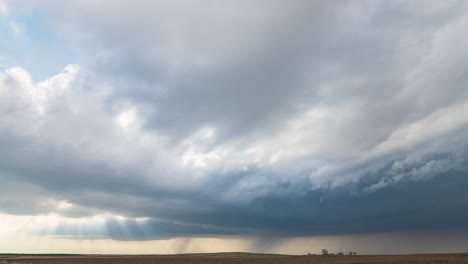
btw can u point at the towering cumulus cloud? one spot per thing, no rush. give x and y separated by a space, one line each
234 118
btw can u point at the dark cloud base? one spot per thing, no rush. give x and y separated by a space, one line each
435 205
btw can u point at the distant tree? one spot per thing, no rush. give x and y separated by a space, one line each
324 251
340 253
350 253
354 253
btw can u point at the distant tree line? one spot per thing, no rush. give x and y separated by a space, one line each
326 253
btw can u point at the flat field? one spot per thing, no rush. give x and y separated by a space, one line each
232 258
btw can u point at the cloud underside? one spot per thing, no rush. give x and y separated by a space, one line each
246 118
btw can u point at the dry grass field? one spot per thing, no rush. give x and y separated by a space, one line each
235 259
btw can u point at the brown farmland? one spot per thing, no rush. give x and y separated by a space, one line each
193 259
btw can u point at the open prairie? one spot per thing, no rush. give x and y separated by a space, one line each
233 259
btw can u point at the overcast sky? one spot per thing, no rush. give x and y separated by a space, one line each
158 125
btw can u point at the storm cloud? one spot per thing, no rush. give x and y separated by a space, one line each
250 118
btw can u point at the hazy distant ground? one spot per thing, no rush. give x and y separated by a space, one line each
230 258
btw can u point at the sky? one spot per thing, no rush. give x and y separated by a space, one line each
234 125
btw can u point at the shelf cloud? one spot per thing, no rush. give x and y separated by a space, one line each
169 119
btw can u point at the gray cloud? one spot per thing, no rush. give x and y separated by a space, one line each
257 117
